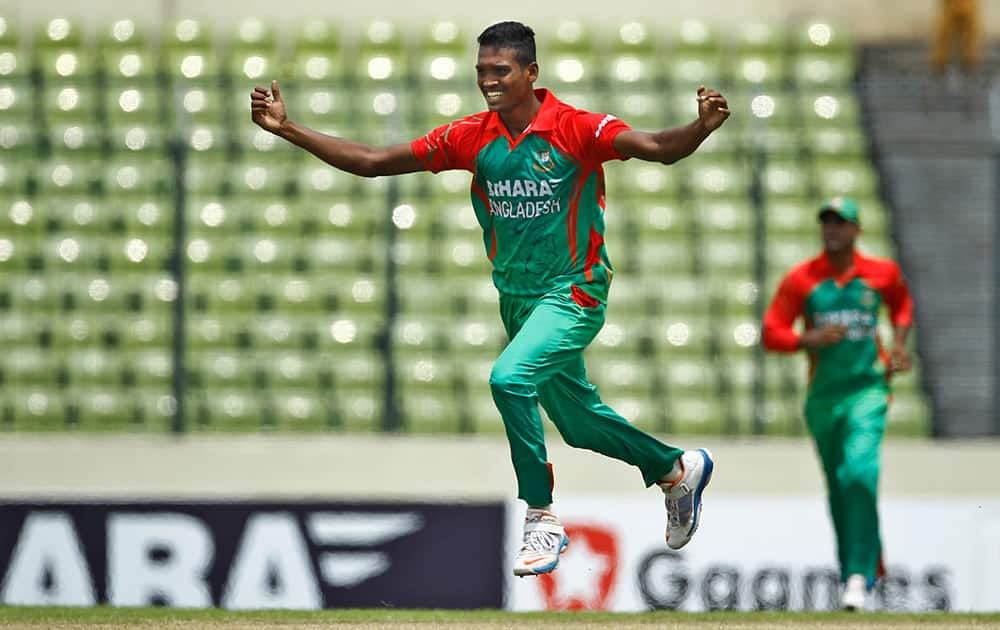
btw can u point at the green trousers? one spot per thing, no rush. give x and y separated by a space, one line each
848 433
543 364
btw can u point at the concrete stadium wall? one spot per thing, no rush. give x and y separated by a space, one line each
445 468
908 19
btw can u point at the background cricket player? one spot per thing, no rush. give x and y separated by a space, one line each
839 294
538 193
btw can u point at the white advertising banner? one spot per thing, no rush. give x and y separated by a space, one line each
763 553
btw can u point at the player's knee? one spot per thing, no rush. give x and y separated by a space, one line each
504 380
859 478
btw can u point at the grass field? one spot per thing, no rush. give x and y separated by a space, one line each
91 618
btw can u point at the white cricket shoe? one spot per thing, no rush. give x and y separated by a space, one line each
683 497
855 591
544 540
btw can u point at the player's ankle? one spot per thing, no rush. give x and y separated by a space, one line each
673 476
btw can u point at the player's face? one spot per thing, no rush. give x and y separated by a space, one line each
838 233
504 82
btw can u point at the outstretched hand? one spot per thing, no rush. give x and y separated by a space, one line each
267 109
713 110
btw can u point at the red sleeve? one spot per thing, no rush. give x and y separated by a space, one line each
785 308
448 147
594 135
897 298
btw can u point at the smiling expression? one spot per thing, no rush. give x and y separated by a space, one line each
504 82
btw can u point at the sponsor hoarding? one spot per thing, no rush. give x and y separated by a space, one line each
763 553
252 555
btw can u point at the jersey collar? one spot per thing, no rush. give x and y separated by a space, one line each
544 120
828 270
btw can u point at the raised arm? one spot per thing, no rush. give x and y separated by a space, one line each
267 109
676 143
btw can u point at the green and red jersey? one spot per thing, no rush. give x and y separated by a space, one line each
823 296
539 197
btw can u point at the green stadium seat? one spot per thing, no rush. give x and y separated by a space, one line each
65 175
20 218
641 109
652 255
696 416
93 366
222 369
429 413
830 109
86 139
123 33
220 329
128 65
291 369
151 367
724 255
359 409
696 36
154 408
31 293
38 409
786 178
473 336
193 66
133 103
252 34
30 365
75 102
302 410
688 69
248 68
320 66
426 373
10 30
341 333
625 375
58 32
143 140
818 70
856 178
836 142
726 217
444 58
146 330
718 179
122 176
19 328
482 412
216 292
259 177
15 102
232 410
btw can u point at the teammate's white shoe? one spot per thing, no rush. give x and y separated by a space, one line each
544 540
855 591
683 496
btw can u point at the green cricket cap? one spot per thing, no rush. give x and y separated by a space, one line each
844 206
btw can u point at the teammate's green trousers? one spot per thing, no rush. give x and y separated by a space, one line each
543 363
848 433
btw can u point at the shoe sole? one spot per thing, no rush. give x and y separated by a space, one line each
705 478
547 568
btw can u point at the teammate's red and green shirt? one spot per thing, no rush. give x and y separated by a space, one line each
823 296
539 197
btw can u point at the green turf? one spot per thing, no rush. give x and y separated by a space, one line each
66 618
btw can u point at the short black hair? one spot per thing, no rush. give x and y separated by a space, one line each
514 35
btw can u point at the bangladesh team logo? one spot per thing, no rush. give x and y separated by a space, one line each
543 161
